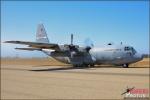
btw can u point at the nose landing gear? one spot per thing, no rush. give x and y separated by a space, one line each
125 65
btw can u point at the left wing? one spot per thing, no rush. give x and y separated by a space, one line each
30 49
37 45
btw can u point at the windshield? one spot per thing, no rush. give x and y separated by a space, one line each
127 48
130 49
133 50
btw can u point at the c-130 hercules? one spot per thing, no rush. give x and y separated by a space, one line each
82 56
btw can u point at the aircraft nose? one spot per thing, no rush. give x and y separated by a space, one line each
138 56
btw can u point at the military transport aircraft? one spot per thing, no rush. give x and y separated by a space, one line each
80 56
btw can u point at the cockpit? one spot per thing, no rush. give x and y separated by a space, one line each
127 48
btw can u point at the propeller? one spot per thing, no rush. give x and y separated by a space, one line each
71 46
71 39
73 49
88 44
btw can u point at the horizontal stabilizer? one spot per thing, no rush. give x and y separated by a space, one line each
30 49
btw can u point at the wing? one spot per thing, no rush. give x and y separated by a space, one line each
37 45
30 49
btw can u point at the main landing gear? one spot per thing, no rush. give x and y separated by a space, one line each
84 65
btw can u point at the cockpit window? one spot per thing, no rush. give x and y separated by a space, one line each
130 49
133 50
127 48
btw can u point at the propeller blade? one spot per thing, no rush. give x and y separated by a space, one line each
88 43
71 39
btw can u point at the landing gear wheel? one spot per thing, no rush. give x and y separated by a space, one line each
75 66
84 65
91 65
125 65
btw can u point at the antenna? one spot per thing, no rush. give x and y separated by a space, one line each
71 39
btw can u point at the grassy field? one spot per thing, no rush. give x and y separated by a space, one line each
53 62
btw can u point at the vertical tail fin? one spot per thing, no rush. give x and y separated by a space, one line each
41 35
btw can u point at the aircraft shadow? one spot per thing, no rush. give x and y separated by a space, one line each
79 72
50 65
69 67
57 69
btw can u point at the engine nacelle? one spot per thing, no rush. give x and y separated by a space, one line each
73 53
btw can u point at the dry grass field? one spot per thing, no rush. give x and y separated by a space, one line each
143 63
38 78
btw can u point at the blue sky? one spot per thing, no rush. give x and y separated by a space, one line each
102 22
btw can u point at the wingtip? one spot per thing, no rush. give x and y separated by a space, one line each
5 42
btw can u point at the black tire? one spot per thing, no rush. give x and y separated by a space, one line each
84 65
125 65
91 65
75 66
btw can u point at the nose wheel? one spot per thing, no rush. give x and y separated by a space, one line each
125 65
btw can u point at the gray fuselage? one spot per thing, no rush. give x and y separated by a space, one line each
110 54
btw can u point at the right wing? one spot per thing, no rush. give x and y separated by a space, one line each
37 45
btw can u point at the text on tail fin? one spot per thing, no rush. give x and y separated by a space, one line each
41 35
